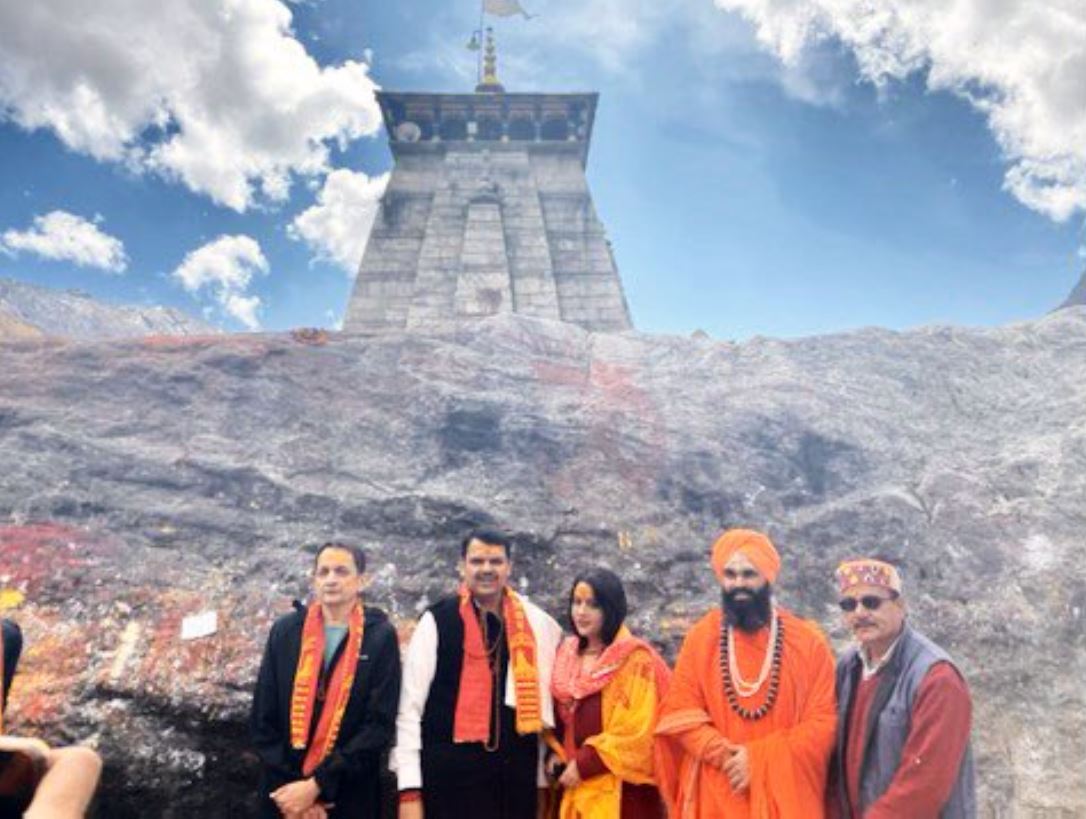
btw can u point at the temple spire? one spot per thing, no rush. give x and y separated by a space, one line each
489 82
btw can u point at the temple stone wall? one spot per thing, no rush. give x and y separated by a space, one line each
468 229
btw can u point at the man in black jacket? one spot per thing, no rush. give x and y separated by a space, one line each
324 710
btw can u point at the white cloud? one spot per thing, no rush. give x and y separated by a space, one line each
614 34
218 94
243 308
612 29
63 236
1020 62
224 268
338 226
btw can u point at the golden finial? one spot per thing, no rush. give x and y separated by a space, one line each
490 82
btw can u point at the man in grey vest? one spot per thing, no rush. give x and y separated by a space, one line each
904 711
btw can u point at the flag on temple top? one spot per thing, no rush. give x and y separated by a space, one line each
504 8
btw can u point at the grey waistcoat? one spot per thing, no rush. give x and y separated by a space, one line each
888 725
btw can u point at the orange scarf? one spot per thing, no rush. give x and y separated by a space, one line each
475 698
303 697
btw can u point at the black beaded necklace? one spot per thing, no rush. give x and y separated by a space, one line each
774 675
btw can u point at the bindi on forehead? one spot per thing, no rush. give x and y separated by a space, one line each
582 591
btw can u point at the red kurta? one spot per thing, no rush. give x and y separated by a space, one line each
940 721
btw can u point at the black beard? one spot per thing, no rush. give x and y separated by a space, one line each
747 614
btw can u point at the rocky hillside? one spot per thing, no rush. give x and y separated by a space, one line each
76 315
14 329
144 482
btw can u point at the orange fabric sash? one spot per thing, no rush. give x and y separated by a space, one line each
471 722
303 697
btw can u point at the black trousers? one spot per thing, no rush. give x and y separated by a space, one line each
465 781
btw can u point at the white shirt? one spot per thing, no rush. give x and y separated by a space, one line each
873 668
419 668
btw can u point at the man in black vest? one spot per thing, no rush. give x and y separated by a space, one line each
324 709
904 711
476 694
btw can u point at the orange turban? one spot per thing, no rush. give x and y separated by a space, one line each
756 546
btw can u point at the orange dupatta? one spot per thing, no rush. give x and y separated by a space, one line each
471 722
631 678
307 678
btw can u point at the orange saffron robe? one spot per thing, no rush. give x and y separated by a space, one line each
789 747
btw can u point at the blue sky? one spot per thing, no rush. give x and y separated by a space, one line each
763 168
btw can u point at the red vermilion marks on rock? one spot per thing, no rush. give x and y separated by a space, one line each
166 655
55 658
178 342
605 385
218 342
560 374
168 665
615 402
37 555
622 403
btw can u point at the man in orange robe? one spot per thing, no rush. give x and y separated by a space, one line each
747 727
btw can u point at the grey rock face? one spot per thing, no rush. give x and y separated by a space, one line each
144 482
75 315
1076 296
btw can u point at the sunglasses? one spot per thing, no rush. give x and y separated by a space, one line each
871 602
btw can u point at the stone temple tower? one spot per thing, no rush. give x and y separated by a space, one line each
487 211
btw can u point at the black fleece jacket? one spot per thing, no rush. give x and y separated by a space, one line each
349 776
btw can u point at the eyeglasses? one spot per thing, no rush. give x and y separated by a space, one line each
871 602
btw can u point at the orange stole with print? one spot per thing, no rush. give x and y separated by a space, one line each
474 700
303 697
